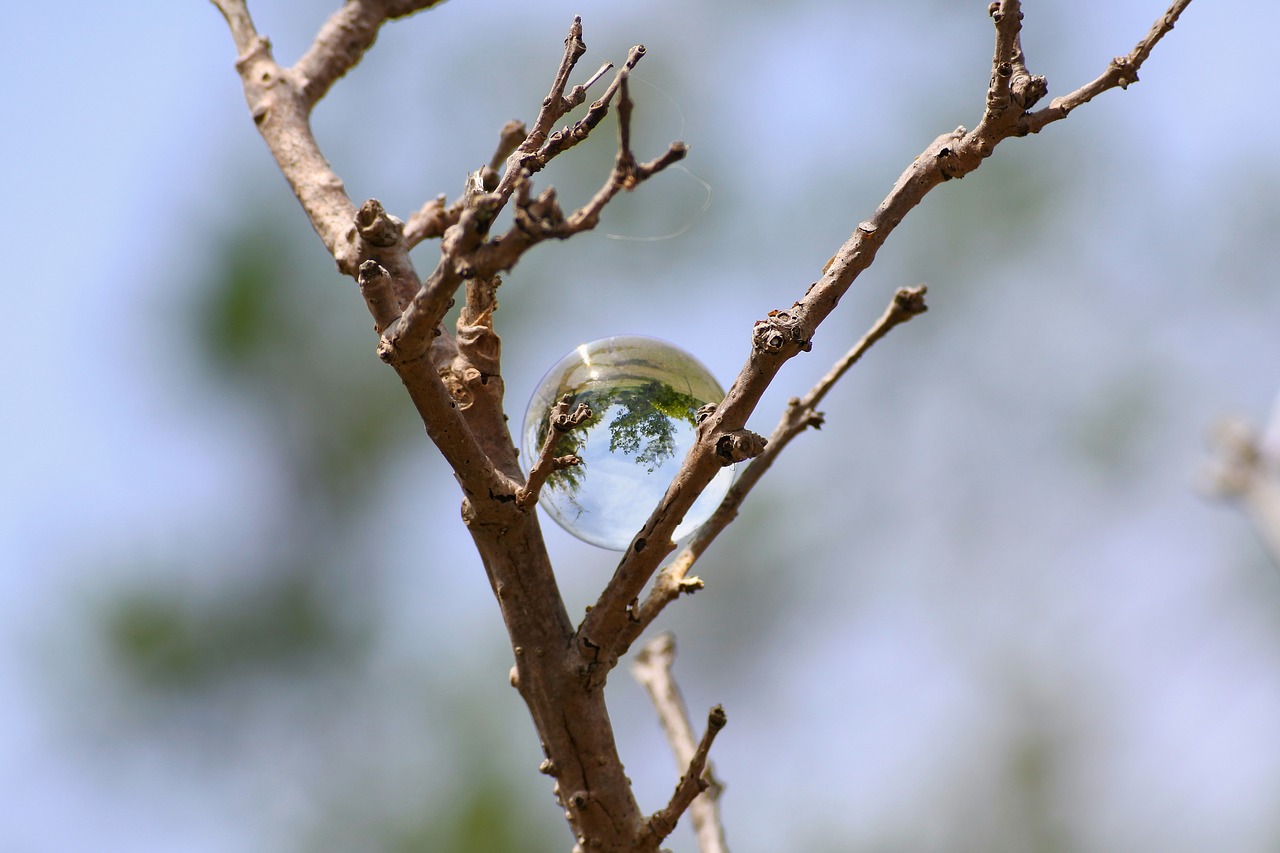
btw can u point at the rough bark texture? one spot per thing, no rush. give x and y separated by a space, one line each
455 381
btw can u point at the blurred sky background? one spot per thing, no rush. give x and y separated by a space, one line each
986 608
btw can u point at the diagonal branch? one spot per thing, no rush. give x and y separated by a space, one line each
434 217
652 668
343 40
784 334
1122 71
283 117
801 413
691 784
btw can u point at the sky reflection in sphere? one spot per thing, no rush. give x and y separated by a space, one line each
643 394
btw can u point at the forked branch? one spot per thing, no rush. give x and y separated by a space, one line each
801 414
559 671
603 634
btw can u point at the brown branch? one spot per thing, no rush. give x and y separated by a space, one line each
343 40
801 414
539 219
601 636
652 669
283 117
376 288
465 252
662 822
433 218
379 236
1122 71
547 463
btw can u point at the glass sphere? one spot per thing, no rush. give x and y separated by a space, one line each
643 394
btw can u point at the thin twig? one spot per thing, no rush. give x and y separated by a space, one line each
1122 71
541 218
434 217
652 669
465 250
800 414
691 784
554 105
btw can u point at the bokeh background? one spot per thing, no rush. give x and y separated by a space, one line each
988 607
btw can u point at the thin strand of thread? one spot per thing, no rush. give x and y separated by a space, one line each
706 185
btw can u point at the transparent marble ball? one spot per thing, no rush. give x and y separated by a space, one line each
643 394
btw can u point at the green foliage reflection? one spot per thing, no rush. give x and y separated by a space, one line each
642 420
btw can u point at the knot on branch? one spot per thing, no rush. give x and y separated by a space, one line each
704 412
1027 89
376 227
539 217
1125 73
781 331
738 446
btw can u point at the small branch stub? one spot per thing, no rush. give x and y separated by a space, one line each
739 446
780 331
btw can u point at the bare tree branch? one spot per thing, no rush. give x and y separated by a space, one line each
456 386
465 251
1122 71
652 668
801 413
691 784
602 634
343 40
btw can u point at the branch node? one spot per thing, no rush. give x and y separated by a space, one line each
782 330
377 227
739 446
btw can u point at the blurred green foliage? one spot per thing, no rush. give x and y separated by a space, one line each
281 336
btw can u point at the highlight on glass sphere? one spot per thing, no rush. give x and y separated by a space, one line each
643 394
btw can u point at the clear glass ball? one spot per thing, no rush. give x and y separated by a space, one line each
643 394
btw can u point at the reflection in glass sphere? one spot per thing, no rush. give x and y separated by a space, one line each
643 394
